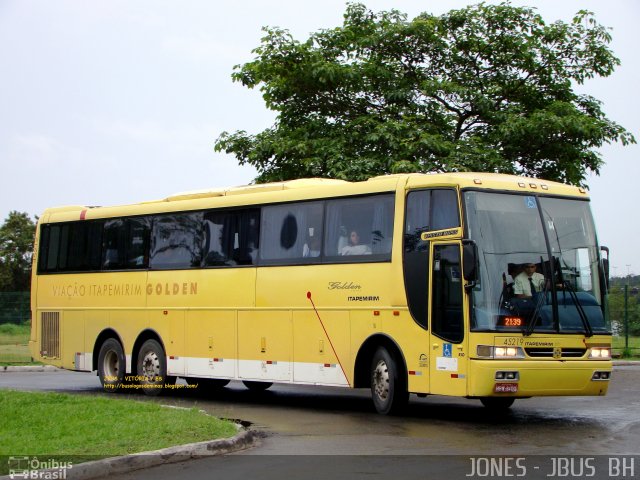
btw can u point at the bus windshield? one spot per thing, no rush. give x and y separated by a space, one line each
538 264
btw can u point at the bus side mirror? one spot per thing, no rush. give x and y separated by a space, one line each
605 266
470 262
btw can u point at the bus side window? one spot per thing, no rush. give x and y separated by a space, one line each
137 243
429 210
359 229
176 241
446 308
113 244
291 233
230 238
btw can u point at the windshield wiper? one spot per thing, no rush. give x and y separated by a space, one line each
540 300
583 316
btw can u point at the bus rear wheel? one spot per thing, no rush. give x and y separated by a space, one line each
257 386
388 388
152 368
111 365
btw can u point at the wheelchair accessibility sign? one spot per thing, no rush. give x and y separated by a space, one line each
446 362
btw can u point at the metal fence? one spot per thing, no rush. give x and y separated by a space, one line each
15 307
15 316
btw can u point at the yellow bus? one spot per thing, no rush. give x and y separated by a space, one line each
483 286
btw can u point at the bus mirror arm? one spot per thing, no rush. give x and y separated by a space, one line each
470 263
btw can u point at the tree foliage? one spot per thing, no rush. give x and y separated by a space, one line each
484 88
16 251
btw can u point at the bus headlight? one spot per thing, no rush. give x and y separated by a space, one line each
490 351
602 353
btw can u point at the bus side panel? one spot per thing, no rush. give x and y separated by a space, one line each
218 288
170 326
414 343
95 321
265 345
315 361
85 306
211 344
401 330
189 309
72 337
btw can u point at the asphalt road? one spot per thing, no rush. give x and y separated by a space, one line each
336 433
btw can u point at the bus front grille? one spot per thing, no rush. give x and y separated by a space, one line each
50 334
555 353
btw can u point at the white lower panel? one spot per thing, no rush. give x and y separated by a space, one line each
210 367
319 374
273 371
265 370
83 362
175 366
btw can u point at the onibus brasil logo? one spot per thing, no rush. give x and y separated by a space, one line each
34 468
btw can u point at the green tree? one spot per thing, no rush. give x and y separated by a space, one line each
484 88
16 251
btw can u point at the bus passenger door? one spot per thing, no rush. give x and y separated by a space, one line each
448 343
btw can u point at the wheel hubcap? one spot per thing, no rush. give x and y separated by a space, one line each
381 380
111 364
151 366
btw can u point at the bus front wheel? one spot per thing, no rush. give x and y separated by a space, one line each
388 388
111 365
152 368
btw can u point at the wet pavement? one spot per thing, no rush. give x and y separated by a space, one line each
333 422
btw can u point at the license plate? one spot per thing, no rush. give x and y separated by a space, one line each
505 388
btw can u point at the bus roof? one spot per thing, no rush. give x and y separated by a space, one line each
309 188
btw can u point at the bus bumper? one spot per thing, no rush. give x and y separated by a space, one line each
488 378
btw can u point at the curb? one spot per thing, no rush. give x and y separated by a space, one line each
29 368
625 363
137 461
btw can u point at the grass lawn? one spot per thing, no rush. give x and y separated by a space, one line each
79 428
11 333
14 340
618 343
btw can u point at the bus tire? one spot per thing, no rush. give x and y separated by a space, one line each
152 368
388 388
497 403
256 386
111 365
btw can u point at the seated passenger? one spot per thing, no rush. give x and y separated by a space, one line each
354 247
311 248
529 282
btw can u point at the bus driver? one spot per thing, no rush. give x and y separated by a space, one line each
528 282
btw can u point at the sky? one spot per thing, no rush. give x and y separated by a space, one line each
115 101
